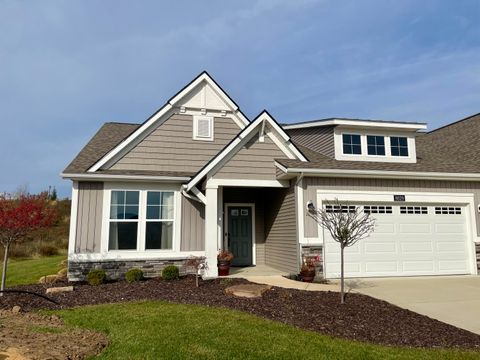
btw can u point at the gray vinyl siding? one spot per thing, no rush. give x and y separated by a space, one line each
312 184
171 147
319 139
89 217
255 196
281 245
193 225
254 161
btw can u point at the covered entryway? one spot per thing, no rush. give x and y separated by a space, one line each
409 240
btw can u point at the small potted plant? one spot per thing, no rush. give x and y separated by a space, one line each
224 259
308 271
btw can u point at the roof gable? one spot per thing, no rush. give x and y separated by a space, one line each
261 123
201 93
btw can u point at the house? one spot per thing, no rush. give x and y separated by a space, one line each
198 176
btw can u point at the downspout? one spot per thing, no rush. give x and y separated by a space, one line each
187 195
300 218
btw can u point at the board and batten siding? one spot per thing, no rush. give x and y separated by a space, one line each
254 161
281 244
89 217
312 184
255 196
319 139
193 225
171 147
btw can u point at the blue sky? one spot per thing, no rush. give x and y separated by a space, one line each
68 66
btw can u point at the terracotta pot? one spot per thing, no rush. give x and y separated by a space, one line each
307 276
223 267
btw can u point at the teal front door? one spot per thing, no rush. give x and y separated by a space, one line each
240 235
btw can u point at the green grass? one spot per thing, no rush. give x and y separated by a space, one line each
158 330
28 271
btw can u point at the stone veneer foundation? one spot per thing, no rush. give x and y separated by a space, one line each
116 269
314 251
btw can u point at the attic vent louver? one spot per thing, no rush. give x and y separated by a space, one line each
203 128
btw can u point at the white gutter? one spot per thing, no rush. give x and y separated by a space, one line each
381 174
122 177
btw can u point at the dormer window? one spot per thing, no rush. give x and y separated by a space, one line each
376 145
352 144
203 128
398 146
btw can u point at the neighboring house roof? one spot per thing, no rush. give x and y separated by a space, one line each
110 135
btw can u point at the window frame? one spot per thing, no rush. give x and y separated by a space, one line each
147 220
399 147
110 220
343 144
141 251
195 135
376 145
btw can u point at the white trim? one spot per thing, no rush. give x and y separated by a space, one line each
252 207
133 255
73 219
87 176
381 174
467 199
211 123
211 232
245 135
140 252
362 123
300 209
248 183
199 195
364 156
164 112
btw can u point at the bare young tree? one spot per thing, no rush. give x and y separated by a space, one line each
347 224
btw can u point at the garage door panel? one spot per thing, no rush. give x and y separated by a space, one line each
416 247
381 228
415 228
381 267
413 267
422 243
452 265
449 228
380 247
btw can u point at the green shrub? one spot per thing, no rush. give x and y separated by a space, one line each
48 250
96 277
171 272
133 275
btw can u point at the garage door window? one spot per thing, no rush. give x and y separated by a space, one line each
338 208
422 210
448 210
377 209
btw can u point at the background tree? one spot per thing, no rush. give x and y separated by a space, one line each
347 224
18 217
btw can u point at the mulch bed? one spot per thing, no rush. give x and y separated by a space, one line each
361 318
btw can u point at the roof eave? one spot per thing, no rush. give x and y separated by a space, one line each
97 177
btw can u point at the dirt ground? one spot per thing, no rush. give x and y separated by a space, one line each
31 336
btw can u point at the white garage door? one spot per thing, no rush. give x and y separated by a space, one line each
408 240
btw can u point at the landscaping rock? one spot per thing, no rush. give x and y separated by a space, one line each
247 290
16 309
62 272
48 279
59 289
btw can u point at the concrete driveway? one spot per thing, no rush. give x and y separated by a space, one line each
452 299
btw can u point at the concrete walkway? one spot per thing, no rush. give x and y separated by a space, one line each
454 300
280 281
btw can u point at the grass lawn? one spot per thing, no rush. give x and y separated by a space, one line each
28 271
159 330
